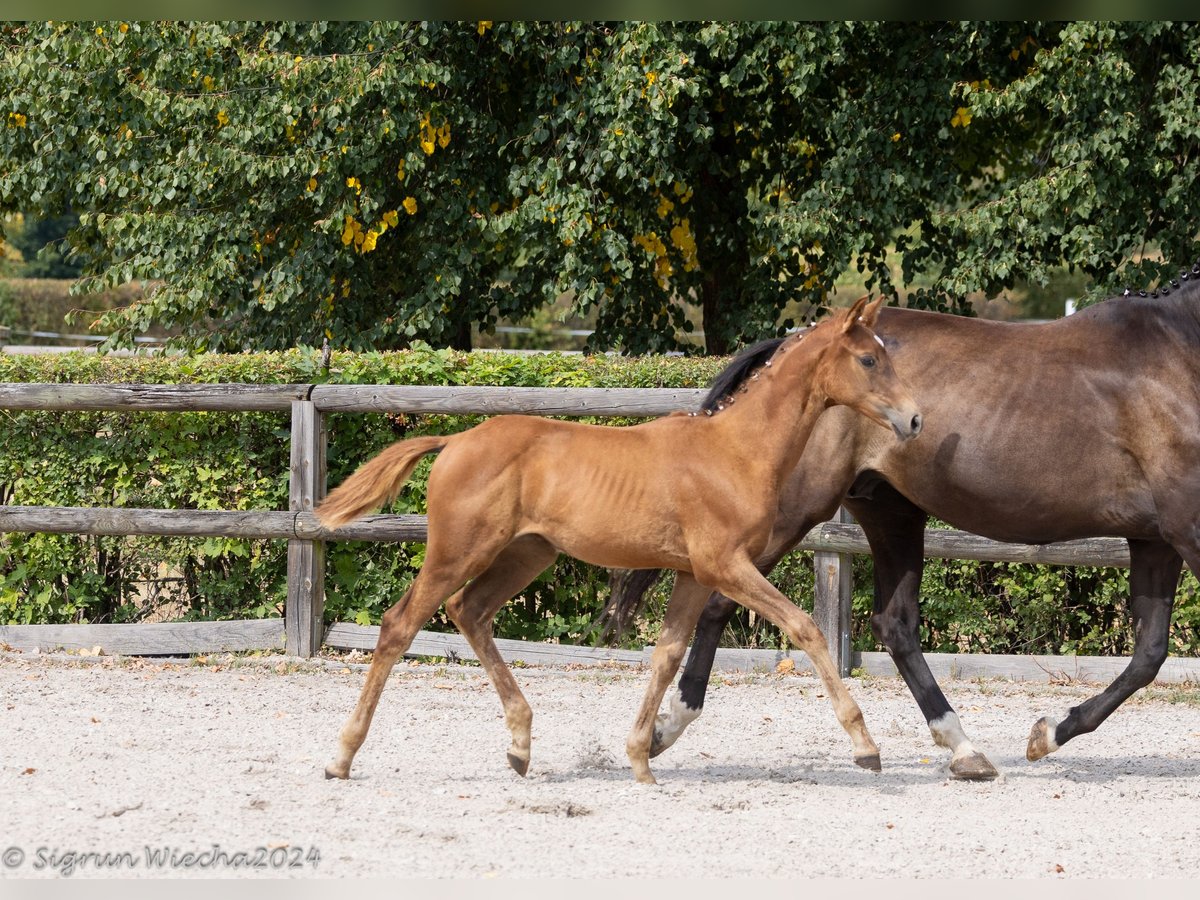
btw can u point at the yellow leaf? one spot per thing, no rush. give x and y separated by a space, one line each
410 205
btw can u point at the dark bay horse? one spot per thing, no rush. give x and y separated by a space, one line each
693 493
1086 426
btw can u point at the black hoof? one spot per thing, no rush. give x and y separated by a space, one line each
520 766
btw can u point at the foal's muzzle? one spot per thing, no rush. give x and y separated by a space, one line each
906 423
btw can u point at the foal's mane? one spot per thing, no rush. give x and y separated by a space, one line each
734 375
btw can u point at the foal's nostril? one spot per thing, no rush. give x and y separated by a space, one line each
916 424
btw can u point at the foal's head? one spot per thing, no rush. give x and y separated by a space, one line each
855 371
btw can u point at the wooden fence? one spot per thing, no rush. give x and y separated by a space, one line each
302 631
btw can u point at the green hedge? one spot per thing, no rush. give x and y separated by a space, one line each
240 461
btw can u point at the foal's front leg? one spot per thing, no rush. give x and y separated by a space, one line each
741 581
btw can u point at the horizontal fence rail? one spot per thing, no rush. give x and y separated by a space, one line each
832 542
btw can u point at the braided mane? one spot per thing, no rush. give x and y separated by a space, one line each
734 375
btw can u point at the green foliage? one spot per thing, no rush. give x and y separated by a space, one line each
384 182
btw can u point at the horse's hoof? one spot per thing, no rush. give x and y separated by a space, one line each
1041 739
332 771
646 777
869 761
972 767
656 744
519 765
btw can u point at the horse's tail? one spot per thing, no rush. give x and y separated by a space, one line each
629 587
377 481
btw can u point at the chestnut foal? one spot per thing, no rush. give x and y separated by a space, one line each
697 494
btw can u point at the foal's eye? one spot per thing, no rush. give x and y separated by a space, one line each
867 361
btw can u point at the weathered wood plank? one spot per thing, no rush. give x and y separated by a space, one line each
176 397
946 544
498 400
305 606
262 524
368 528
149 639
1030 668
832 596
346 636
249 524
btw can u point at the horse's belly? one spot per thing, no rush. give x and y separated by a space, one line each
1032 517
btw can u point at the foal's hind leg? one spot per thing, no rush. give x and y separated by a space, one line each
474 608
1153 578
443 573
687 600
741 581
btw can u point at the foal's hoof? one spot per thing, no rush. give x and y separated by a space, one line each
869 761
972 767
332 771
519 765
1041 739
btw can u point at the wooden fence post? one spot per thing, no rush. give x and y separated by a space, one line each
304 614
831 602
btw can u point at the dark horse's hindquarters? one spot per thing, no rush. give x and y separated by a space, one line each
1086 426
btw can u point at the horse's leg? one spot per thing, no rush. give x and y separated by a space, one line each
687 600
449 563
688 702
895 529
1154 568
473 609
741 580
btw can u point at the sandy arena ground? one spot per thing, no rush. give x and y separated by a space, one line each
204 770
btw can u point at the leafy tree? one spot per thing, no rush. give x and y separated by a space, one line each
384 182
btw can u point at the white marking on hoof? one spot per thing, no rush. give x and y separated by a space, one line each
966 762
669 726
947 732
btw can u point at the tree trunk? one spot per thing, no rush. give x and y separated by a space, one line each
714 308
461 339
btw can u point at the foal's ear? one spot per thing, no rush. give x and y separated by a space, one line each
870 312
852 314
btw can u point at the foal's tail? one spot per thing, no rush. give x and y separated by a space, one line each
377 481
